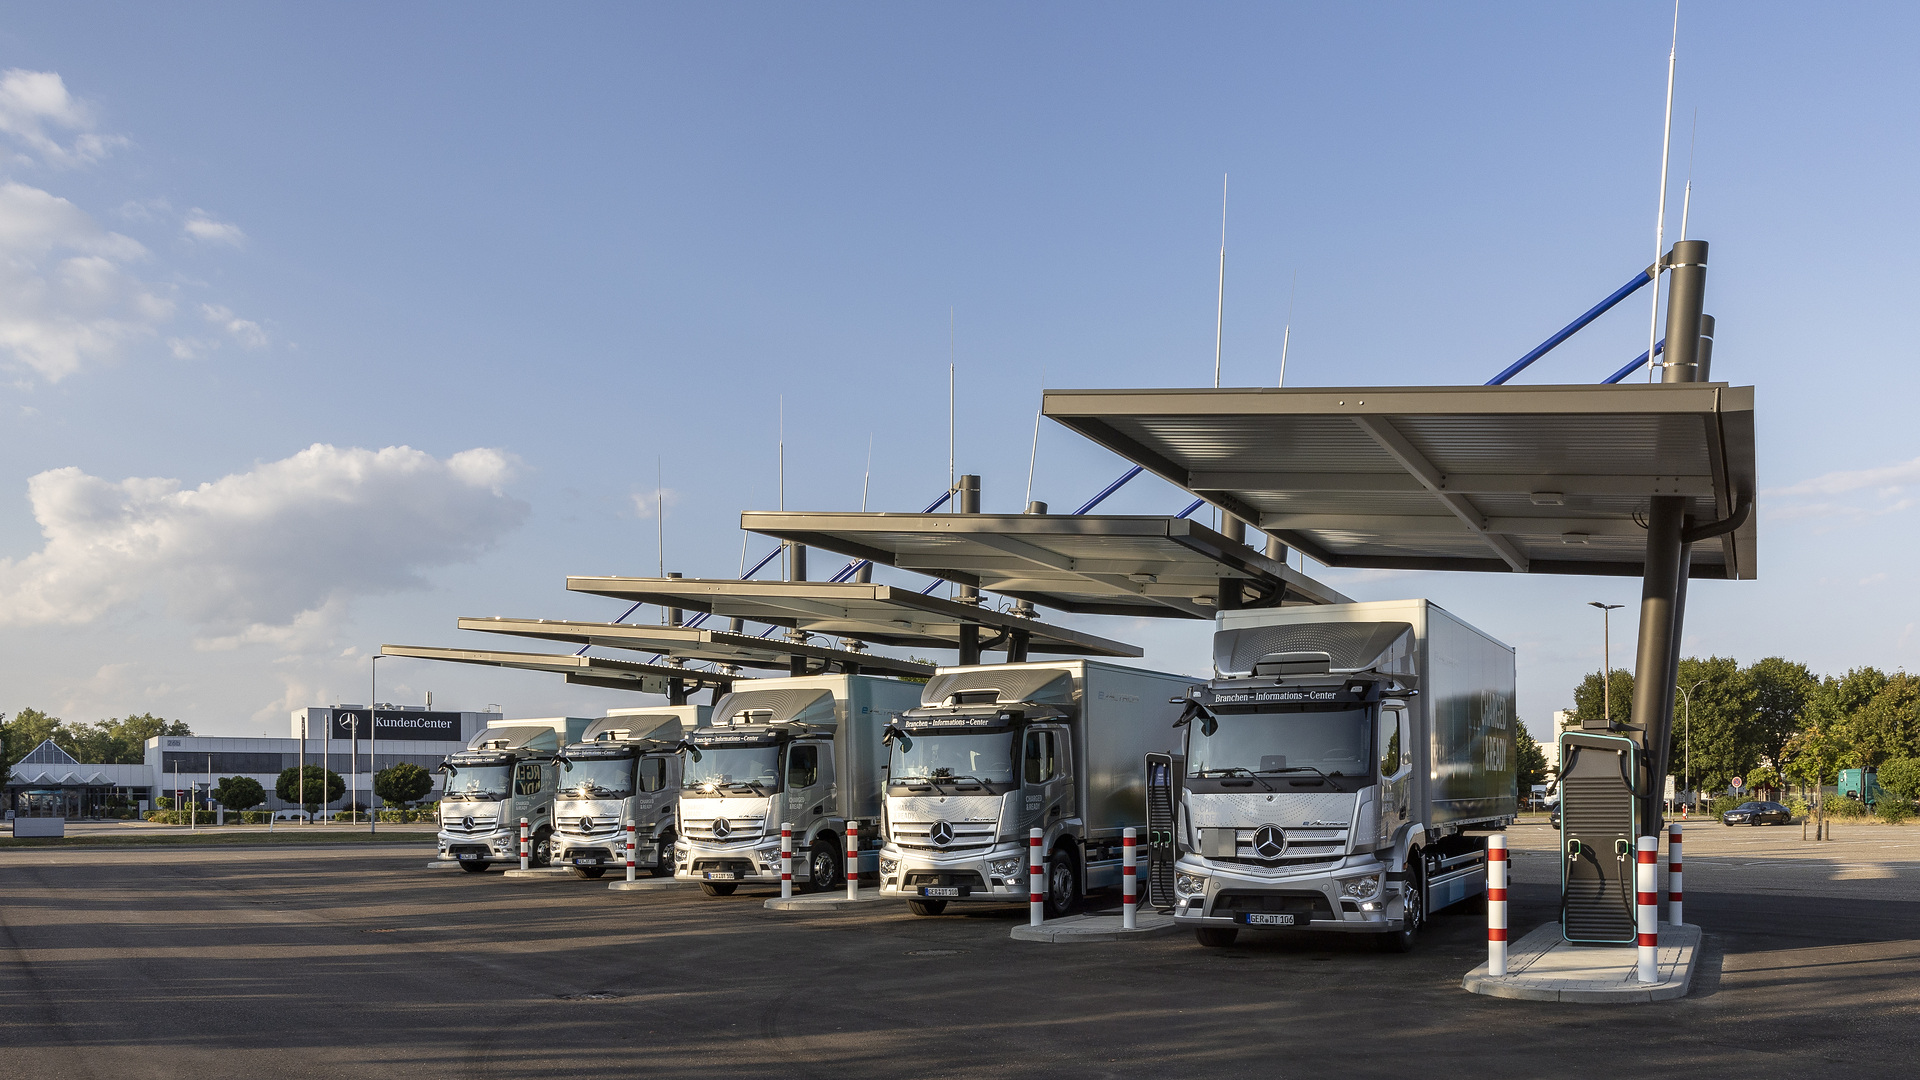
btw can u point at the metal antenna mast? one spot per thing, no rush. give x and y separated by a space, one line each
660 509
950 355
1686 201
1660 222
1220 307
867 479
1286 336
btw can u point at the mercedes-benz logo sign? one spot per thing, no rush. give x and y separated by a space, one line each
586 824
941 834
467 823
722 828
1269 842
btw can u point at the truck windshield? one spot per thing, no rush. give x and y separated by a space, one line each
986 757
482 782
604 778
1282 741
735 767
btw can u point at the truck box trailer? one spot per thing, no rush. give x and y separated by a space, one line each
992 751
805 751
1333 768
626 768
506 773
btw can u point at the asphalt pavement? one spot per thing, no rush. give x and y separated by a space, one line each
354 961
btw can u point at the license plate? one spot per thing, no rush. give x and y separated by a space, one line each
722 875
939 890
468 855
586 862
1262 918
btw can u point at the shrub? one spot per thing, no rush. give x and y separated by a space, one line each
239 793
1799 807
1723 803
1837 807
403 783
1891 809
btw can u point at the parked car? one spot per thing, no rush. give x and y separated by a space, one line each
1553 818
1757 813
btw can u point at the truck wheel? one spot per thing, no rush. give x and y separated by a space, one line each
663 866
474 867
542 853
712 888
588 871
823 866
926 907
1063 884
1414 910
1215 937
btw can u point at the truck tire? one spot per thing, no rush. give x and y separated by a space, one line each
926 907
1414 915
824 867
663 866
589 871
1063 883
541 854
474 867
1215 937
720 888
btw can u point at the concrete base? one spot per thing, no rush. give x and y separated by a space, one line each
539 872
1078 928
827 901
648 884
1543 967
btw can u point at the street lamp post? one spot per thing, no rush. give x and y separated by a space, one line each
373 736
1606 655
1686 696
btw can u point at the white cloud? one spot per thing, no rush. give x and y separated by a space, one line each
66 296
200 226
646 502
32 102
1851 494
245 331
259 556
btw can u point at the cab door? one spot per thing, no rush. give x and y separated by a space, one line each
1396 768
807 784
1046 776
649 791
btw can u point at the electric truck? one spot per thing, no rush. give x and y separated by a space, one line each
803 750
1331 771
996 750
506 773
626 767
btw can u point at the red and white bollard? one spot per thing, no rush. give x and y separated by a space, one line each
1496 905
853 859
1673 875
1036 881
523 843
1646 887
630 867
1129 880
786 860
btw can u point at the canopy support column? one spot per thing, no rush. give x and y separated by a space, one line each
1662 604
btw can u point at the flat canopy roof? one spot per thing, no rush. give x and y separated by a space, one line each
583 670
880 614
694 643
1104 565
1523 479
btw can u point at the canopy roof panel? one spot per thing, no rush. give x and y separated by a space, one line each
693 643
1525 479
1108 565
880 614
584 670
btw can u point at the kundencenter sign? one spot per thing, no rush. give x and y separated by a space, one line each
409 725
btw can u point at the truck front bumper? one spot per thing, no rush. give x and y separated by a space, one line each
741 864
1336 898
484 847
997 875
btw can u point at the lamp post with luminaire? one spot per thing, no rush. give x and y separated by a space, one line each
1606 655
373 699
1686 696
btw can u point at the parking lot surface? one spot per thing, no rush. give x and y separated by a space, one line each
357 961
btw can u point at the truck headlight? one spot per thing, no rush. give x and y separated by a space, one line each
1365 888
888 866
770 859
1004 867
1189 884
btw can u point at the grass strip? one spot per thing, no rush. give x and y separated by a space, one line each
213 839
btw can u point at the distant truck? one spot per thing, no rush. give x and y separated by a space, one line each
1860 785
626 767
803 750
1329 777
507 772
993 751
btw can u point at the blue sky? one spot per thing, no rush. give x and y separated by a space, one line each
249 252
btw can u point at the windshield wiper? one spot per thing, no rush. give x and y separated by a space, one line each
1236 770
1302 768
954 780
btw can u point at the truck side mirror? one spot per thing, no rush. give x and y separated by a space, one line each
692 751
893 734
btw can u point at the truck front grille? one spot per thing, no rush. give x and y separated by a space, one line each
1312 904
456 827
917 878
1305 847
739 831
967 835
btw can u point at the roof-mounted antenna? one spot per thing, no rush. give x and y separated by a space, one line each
1220 306
1660 222
1034 454
950 355
785 549
660 508
868 478
1286 336
1686 201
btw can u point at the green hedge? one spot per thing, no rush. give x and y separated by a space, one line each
1892 809
1837 807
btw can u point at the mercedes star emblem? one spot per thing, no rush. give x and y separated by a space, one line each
586 824
941 834
1269 842
722 828
467 823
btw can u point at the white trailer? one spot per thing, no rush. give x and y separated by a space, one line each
993 751
804 750
1331 771
506 773
626 768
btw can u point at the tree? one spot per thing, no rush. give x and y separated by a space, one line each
117 741
1886 726
239 793
403 783
1901 776
1721 730
1529 761
28 729
1590 697
1781 691
287 787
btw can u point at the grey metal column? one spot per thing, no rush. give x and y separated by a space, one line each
1277 551
797 564
674 615
1686 299
1705 367
969 503
1653 676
